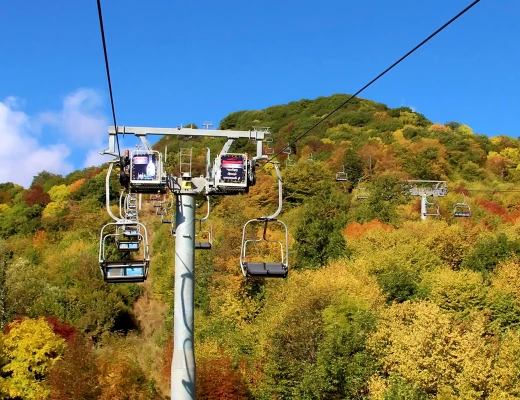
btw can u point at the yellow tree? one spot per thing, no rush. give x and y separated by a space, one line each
31 348
59 193
432 351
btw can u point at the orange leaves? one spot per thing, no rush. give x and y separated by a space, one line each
496 209
217 379
40 239
75 186
355 229
119 375
438 128
381 116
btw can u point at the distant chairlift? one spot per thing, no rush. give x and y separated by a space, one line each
432 209
289 162
126 240
279 268
342 176
158 202
127 206
462 209
361 191
204 232
269 149
166 209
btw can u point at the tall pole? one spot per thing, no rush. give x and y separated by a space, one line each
423 207
183 362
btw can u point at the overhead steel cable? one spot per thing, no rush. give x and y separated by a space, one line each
100 14
375 79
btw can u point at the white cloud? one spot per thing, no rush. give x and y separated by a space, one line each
22 156
80 126
95 159
80 121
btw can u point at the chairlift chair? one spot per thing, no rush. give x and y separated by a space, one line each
168 208
128 237
204 231
289 162
461 209
342 176
269 149
361 192
432 209
131 215
158 202
278 269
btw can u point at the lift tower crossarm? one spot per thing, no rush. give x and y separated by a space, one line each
257 134
143 131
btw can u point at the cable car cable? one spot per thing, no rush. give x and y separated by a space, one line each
375 79
100 14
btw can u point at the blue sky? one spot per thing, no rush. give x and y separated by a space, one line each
176 62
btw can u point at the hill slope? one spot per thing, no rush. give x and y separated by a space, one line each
378 304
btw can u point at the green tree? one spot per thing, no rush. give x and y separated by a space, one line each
304 181
319 234
386 193
486 254
4 257
47 180
343 364
353 165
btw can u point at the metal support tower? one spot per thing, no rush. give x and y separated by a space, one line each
185 189
183 362
424 208
425 188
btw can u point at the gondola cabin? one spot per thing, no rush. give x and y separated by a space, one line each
232 172
146 172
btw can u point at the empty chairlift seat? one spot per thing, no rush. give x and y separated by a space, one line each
265 270
203 245
256 232
204 232
125 271
128 245
461 210
341 177
134 256
432 209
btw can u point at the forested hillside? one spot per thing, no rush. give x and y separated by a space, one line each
378 304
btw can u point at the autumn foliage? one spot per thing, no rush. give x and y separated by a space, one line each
36 195
355 229
217 379
378 303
